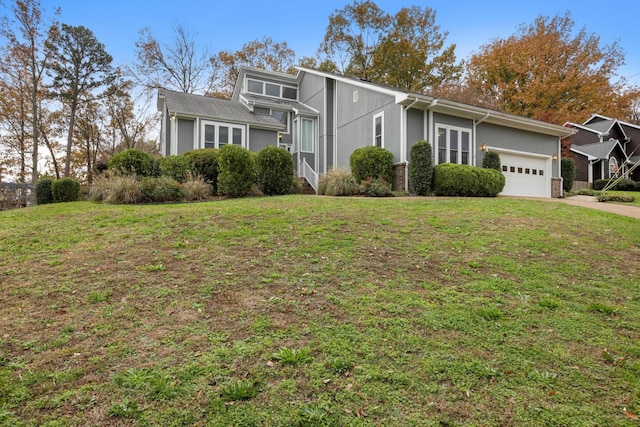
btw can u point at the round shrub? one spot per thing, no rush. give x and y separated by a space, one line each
371 162
179 168
491 160
623 185
65 190
421 168
274 171
161 189
132 162
44 195
205 164
237 171
568 172
451 179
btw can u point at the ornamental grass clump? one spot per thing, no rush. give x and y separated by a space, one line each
338 182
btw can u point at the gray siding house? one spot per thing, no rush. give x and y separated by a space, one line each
322 118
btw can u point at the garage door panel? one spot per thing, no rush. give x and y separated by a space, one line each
525 176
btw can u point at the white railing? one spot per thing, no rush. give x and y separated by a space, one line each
309 174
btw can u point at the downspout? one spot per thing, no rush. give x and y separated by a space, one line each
475 140
404 146
430 130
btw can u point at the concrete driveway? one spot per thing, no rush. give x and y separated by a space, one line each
592 203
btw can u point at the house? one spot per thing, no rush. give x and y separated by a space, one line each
604 148
322 118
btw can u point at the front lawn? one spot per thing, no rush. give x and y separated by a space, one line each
315 311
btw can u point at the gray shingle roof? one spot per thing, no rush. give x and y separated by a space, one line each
634 159
599 150
601 126
286 104
215 109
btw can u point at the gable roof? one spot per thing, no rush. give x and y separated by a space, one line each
458 109
184 104
598 150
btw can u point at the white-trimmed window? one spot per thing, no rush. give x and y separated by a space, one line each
613 167
378 130
216 134
453 145
275 90
306 135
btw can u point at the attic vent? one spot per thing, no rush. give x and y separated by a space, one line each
355 96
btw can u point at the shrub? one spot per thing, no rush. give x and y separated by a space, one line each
337 182
468 181
205 164
375 188
568 173
132 162
421 168
44 194
65 190
371 162
237 171
274 171
197 189
115 189
606 197
161 189
491 160
623 185
179 168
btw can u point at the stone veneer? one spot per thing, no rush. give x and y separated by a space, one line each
399 171
556 187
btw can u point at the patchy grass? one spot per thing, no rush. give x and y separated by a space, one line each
414 311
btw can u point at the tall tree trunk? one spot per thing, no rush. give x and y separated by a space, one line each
34 112
72 120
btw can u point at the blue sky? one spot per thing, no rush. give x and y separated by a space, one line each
227 25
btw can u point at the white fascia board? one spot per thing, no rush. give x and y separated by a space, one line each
352 81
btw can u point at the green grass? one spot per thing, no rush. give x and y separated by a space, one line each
302 310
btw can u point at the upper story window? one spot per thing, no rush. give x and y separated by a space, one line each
281 115
275 90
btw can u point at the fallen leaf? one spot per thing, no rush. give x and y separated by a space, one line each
327 381
348 387
348 411
270 364
552 392
632 416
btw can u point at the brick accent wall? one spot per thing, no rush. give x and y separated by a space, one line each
399 170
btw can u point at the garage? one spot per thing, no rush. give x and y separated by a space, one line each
526 174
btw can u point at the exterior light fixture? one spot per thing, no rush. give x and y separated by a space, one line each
554 157
484 147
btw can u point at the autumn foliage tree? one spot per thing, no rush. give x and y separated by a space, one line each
406 50
265 53
547 71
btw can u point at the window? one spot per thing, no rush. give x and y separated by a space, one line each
306 135
613 167
216 135
271 89
254 86
453 145
378 130
289 92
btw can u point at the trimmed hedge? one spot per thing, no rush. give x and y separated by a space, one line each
274 171
421 168
179 168
65 190
568 173
451 179
491 160
44 195
205 163
623 185
371 162
132 162
237 171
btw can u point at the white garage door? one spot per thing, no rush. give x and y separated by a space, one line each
525 176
